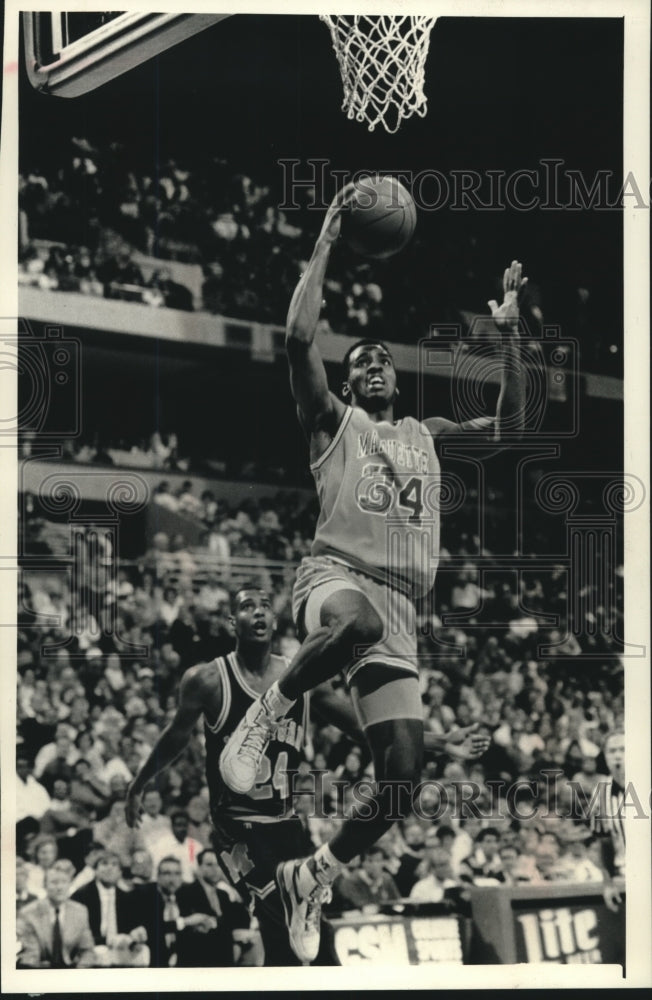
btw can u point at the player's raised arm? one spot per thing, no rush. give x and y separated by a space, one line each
510 408
172 740
318 408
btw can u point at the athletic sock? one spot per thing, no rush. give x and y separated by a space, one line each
321 869
276 704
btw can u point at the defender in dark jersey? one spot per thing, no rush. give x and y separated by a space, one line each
254 832
375 550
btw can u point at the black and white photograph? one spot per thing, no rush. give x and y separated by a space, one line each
325 494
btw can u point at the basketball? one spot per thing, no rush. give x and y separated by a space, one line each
380 219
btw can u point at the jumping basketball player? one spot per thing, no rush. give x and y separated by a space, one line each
375 551
253 833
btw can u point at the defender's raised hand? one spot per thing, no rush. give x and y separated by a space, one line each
506 315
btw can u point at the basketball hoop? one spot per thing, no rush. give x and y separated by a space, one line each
382 61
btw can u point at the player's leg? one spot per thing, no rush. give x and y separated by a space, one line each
380 692
274 932
347 625
269 844
396 746
251 861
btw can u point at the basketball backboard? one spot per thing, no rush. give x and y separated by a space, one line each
72 53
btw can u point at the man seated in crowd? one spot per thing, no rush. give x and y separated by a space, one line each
66 821
44 850
368 886
109 907
86 791
141 870
154 824
156 908
437 873
114 834
484 867
511 869
575 863
177 844
54 933
60 751
86 874
411 857
32 798
230 934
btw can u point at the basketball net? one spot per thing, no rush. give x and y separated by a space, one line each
382 62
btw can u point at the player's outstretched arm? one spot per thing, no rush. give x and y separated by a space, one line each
460 744
172 740
318 407
510 408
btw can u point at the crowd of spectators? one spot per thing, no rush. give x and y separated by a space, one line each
158 451
96 204
163 451
96 688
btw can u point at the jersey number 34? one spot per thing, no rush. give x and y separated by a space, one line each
377 493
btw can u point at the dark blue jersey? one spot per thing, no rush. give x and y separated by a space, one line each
270 798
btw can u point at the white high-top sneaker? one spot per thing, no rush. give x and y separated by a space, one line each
302 913
245 748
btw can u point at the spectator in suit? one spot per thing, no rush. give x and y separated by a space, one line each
216 947
54 932
155 908
109 908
